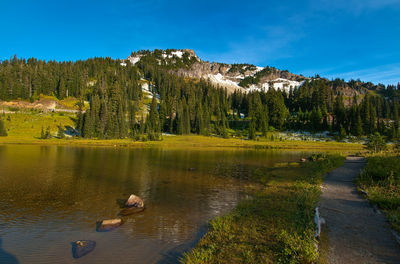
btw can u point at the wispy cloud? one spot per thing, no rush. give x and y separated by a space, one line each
356 7
271 43
386 74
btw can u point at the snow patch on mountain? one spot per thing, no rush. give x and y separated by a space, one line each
219 79
177 53
279 83
259 68
135 59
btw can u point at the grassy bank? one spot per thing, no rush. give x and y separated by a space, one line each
25 128
187 141
28 125
276 225
381 180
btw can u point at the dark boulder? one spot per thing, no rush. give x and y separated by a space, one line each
81 248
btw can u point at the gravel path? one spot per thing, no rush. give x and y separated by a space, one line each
357 233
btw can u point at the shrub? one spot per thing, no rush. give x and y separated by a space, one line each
376 143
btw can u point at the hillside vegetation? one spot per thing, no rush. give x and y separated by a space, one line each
115 99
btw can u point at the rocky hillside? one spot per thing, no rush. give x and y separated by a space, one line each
242 77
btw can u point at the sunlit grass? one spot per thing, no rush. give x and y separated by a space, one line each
275 225
28 125
25 127
381 180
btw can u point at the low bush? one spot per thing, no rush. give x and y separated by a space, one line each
381 180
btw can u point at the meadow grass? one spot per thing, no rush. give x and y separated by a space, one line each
28 124
24 127
381 180
275 225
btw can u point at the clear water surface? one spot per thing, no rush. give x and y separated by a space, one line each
51 196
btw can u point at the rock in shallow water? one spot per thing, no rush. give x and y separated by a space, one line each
107 225
134 201
81 248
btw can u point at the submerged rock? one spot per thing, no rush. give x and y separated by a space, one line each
81 248
131 210
107 225
134 201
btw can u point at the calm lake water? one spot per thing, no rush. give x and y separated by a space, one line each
51 196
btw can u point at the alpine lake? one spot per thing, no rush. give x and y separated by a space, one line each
51 196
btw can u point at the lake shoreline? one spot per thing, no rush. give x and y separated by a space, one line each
190 141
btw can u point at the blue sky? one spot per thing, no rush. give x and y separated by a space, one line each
332 38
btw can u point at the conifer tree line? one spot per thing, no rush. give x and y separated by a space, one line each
184 106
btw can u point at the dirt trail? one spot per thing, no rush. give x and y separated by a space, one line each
357 233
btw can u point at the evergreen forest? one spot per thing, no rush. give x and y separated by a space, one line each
180 105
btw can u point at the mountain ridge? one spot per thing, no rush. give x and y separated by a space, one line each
242 77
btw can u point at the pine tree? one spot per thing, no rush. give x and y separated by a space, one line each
252 130
199 122
179 121
358 127
47 135
3 131
252 126
365 114
153 119
88 126
42 135
340 113
206 121
373 125
264 120
316 118
60 132
186 120
342 133
396 120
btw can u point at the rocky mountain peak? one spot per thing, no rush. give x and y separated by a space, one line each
242 77
237 77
